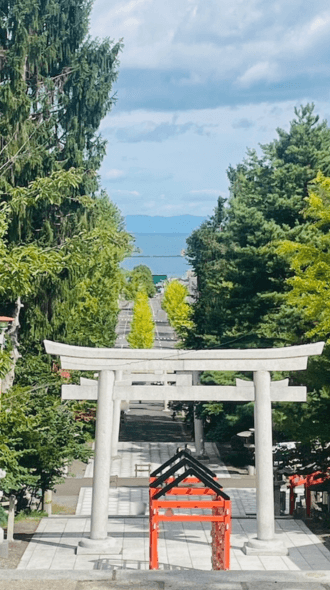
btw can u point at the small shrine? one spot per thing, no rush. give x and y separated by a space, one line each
181 476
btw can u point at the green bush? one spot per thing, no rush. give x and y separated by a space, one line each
240 458
3 517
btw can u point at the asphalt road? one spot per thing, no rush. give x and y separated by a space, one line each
149 423
165 336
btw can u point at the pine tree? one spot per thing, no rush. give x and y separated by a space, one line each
56 86
242 277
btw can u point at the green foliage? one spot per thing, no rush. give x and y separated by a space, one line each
42 438
241 275
224 422
55 88
25 263
3 517
139 279
178 310
61 240
5 362
70 289
142 325
310 262
253 292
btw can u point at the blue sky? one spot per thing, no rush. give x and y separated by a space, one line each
200 81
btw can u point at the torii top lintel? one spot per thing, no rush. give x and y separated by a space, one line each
81 358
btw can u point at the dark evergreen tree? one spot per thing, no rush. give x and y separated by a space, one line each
56 86
241 276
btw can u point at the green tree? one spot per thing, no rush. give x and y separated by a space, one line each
177 309
244 279
61 241
241 279
39 439
140 278
55 88
81 271
310 262
142 325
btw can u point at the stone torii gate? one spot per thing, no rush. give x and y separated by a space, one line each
88 390
260 361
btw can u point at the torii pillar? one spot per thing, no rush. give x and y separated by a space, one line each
260 361
266 542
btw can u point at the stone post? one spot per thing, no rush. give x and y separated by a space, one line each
116 421
11 518
198 423
3 543
99 542
266 542
166 409
48 497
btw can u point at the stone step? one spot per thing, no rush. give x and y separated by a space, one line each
162 580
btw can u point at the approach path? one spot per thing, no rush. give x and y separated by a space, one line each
150 436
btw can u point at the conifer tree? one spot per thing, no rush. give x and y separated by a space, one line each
244 278
56 86
241 279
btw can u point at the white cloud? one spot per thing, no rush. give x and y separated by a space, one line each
250 40
152 131
188 175
263 70
113 174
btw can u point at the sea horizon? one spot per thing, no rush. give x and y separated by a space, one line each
161 252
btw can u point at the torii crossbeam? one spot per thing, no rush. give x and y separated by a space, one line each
259 361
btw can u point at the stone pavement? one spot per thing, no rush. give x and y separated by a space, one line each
160 580
154 454
122 501
182 546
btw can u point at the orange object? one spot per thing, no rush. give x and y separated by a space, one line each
220 517
307 481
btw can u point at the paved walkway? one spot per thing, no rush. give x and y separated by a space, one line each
154 454
182 546
123 501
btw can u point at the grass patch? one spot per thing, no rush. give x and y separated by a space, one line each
60 509
30 515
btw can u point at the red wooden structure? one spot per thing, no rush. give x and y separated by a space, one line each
215 500
307 481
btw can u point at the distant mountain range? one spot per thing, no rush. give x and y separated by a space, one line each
177 224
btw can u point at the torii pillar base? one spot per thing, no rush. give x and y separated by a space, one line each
261 547
108 546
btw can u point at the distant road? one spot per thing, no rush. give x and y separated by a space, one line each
123 324
165 336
